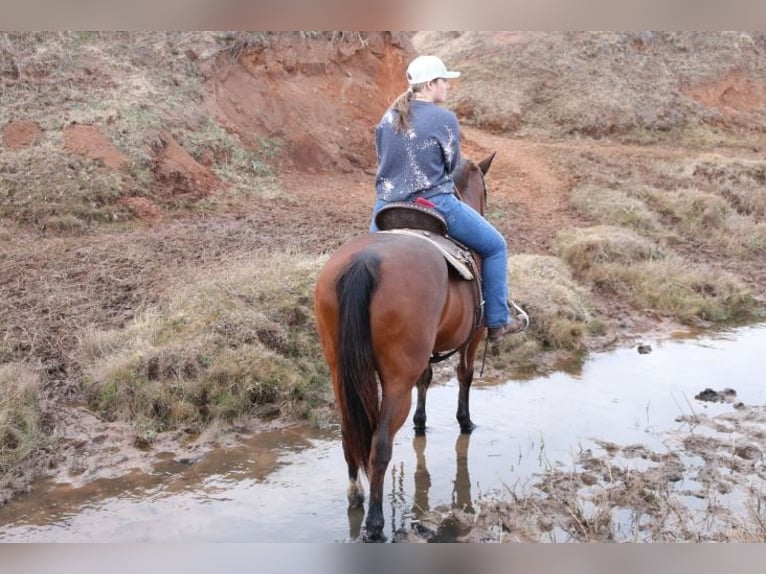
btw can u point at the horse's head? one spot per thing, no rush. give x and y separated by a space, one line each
469 181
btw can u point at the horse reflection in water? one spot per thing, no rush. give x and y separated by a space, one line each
461 486
460 499
385 305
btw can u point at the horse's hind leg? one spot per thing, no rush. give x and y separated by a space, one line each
355 489
419 419
394 410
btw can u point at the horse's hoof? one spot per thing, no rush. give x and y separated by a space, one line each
468 428
376 536
420 430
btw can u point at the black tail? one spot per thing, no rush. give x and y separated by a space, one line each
358 394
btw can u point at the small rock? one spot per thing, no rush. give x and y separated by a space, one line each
707 395
726 395
644 349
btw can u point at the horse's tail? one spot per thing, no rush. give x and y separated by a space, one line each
358 388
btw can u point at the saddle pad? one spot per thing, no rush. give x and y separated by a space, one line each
454 254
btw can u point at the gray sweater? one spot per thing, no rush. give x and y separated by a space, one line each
417 161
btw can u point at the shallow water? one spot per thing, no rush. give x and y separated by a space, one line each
290 485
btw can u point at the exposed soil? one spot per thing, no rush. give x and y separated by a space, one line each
321 102
21 133
88 141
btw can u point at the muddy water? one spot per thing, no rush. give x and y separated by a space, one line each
290 485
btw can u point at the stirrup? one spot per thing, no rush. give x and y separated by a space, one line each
520 313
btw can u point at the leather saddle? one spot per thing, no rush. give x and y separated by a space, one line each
410 215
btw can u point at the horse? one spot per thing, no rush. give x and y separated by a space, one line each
388 304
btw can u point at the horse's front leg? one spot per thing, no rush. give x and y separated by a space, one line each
465 378
419 418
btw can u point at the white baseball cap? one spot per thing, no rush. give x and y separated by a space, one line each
426 68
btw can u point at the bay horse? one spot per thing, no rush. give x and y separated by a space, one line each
386 304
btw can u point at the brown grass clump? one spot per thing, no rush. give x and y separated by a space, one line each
58 193
588 247
709 219
614 207
20 423
235 340
621 263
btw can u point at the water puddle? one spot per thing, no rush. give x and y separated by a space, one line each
290 485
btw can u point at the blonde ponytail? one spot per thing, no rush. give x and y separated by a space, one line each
401 106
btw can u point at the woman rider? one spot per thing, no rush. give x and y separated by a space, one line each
418 145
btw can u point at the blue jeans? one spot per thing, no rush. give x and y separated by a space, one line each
470 228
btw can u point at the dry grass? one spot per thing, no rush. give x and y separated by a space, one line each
235 340
709 219
709 201
622 263
21 430
683 217
614 207
54 192
589 247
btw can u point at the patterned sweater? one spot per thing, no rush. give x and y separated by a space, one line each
420 160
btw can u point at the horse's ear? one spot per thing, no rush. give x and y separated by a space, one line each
486 162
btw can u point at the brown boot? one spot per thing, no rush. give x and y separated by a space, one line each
516 325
